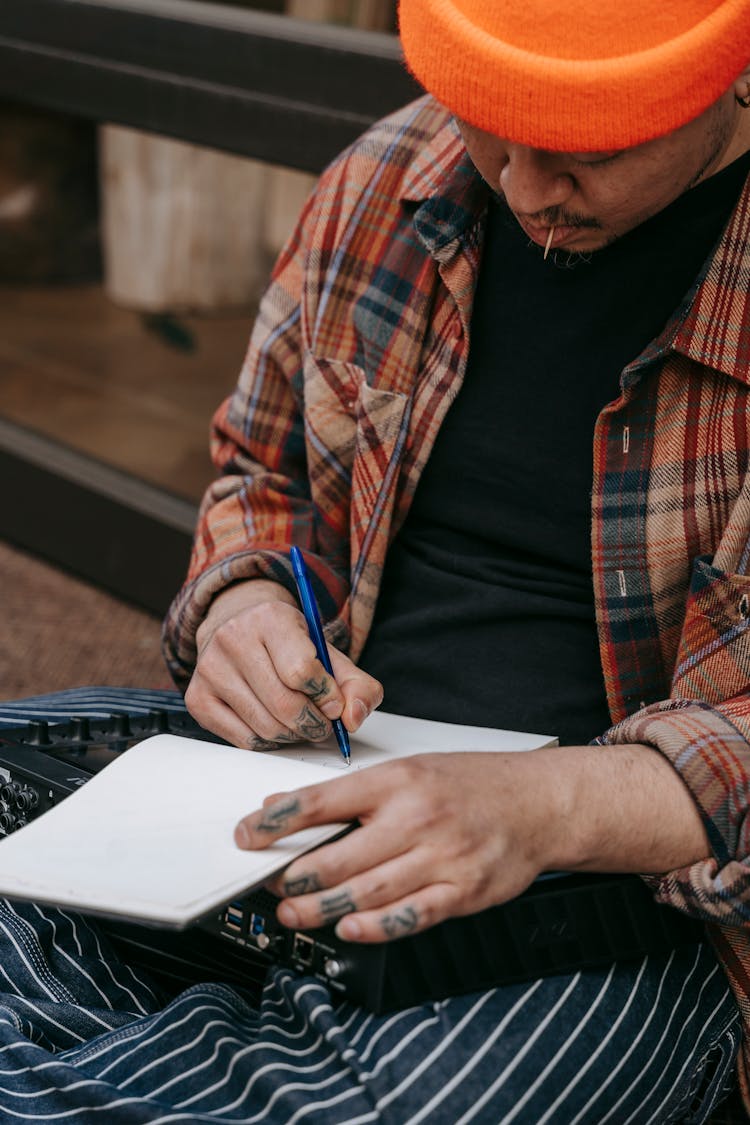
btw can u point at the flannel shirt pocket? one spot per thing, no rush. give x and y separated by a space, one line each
331 396
352 431
713 656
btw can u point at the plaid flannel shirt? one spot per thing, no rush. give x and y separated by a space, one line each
359 348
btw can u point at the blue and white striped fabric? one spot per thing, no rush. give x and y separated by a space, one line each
90 703
87 1037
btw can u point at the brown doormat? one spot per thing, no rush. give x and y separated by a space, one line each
60 632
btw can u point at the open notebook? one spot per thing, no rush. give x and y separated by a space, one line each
149 838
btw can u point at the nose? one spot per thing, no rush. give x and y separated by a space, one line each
533 181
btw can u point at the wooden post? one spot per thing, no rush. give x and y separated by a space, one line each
187 229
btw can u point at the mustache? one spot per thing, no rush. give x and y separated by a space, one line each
553 217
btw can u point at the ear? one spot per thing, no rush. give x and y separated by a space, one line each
742 87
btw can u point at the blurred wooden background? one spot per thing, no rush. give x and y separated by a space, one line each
130 269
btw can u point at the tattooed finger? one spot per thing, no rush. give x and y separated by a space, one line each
399 924
312 726
336 905
302 884
255 742
316 688
276 817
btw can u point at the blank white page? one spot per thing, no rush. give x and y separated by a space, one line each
150 836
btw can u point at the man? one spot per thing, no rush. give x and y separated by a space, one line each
548 257
360 349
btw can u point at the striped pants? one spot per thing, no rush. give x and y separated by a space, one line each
86 1036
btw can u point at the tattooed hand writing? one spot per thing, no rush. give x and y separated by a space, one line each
258 682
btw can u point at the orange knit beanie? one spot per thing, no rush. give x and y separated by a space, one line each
576 75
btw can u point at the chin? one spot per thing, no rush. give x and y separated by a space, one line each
592 244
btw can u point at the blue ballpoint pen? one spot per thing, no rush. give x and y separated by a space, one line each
315 629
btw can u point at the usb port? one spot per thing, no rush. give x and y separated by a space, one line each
302 949
257 924
233 917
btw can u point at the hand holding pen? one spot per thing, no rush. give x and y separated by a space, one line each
257 678
315 629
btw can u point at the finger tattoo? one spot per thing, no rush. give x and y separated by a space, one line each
276 818
335 906
255 742
310 725
315 688
398 925
303 884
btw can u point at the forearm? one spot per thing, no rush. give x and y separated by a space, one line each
619 808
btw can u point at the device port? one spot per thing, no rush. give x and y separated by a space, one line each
233 917
27 799
9 792
303 948
257 924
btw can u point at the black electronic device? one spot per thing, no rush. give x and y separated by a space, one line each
82 735
31 783
42 762
562 923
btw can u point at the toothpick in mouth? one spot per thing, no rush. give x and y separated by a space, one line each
550 236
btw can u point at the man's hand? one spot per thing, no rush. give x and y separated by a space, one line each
442 835
437 835
258 682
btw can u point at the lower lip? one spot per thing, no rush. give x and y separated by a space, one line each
540 235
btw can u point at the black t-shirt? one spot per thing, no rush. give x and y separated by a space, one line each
486 612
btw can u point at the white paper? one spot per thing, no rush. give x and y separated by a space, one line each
150 837
383 736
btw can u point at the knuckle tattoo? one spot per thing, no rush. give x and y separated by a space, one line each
303 884
257 742
311 726
336 905
276 818
315 688
400 923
